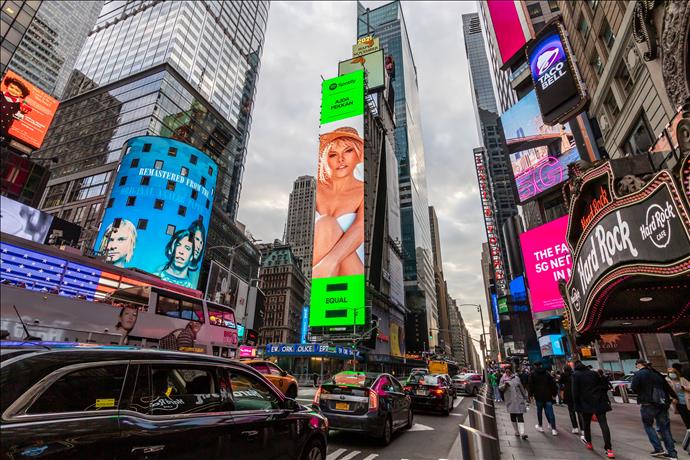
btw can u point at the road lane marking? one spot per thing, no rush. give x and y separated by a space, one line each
420 427
458 403
371 457
334 455
354 453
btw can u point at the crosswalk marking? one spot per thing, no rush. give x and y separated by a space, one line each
335 454
371 457
350 455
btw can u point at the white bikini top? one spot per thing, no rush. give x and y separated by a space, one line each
344 220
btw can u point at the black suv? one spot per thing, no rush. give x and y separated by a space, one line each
120 402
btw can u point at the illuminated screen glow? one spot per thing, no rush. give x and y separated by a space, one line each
547 259
539 154
159 210
337 288
507 27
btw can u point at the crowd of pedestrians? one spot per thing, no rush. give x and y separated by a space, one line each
588 395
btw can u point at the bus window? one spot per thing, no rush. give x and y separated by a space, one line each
168 306
192 311
219 316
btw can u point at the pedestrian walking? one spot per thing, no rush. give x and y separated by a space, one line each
542 387
567 396
557 377
589 398
515 397
654 396
493 381
681 385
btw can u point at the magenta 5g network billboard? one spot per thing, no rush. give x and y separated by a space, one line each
158 212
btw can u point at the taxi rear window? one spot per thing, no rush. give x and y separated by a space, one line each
352 378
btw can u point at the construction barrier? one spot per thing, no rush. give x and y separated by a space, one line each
475 445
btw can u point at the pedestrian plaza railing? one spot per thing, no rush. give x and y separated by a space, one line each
479 441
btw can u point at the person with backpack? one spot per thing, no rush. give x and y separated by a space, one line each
589 398
654 396
542 387
515 397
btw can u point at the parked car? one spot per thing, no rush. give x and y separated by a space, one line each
430 391
284 381
625 381
365 402
122 402
467 383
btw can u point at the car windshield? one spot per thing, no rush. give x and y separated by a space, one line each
416 378
352 378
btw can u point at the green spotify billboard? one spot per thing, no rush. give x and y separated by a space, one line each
337 286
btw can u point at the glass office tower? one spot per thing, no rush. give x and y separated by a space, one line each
184 69
388 24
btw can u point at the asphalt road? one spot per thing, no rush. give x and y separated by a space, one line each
431 437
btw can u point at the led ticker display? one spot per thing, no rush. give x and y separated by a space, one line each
159 210
539 154
558 90
26 110
337 289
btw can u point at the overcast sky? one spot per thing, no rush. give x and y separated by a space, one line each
305 41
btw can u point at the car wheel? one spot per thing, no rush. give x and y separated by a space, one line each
387 432
291 392
410 419
446 411
315 451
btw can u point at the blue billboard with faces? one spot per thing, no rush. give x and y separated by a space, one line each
158 213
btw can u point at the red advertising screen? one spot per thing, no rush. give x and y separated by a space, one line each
26 110
507 27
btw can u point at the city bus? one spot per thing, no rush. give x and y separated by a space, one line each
54 295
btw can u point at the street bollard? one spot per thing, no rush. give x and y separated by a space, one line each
624 393
486 408
475 445
483 422
485 400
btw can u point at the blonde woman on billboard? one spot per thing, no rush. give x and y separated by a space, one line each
339 224
119 243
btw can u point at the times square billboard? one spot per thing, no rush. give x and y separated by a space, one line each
158 213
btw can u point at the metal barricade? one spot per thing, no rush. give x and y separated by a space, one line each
485 400
475 445
482 407
483 422
624 393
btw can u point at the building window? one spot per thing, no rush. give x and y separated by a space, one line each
184 172
92 216
534 10
193 159
611 105
606 35
195 194
208 203
624 79
170 186
142 224
182 210
210 171
131 200
89 187
110 202
596 63
134 163
117 222
123 180
170 230
158 204
203 181
583 26
172 152
158 164
640 138
147 148
55 195
553 6
145 180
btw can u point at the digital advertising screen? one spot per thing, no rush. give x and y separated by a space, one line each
338 288
158 213
558 92
508 29
24 221
26 110
547 260
539 154
371 63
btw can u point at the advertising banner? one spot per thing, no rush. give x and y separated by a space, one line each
26 110
304 328
507 27
338 288
371 63
159 209
24 221
558 90
225 288
310 349
365 45
396 340
539 154
547 260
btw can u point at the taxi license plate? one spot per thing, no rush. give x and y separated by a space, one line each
342 406
421 392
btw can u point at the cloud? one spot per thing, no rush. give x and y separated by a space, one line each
305 41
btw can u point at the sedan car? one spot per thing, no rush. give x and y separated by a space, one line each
625 381
467 383
430 391
123 402
365 402
284 381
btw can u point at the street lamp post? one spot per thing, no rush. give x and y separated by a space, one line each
482 343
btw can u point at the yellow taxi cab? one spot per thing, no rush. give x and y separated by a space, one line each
278 377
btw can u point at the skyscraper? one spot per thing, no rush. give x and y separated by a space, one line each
388 24
16 19
186 70
299 228
441 286
51 44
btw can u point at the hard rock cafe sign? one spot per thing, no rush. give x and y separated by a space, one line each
617 235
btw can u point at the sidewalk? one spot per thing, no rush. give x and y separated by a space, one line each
627 436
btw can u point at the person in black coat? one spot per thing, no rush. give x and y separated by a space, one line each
542 387
590 398
567 396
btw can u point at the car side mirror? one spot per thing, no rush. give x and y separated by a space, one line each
283 373
291 405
